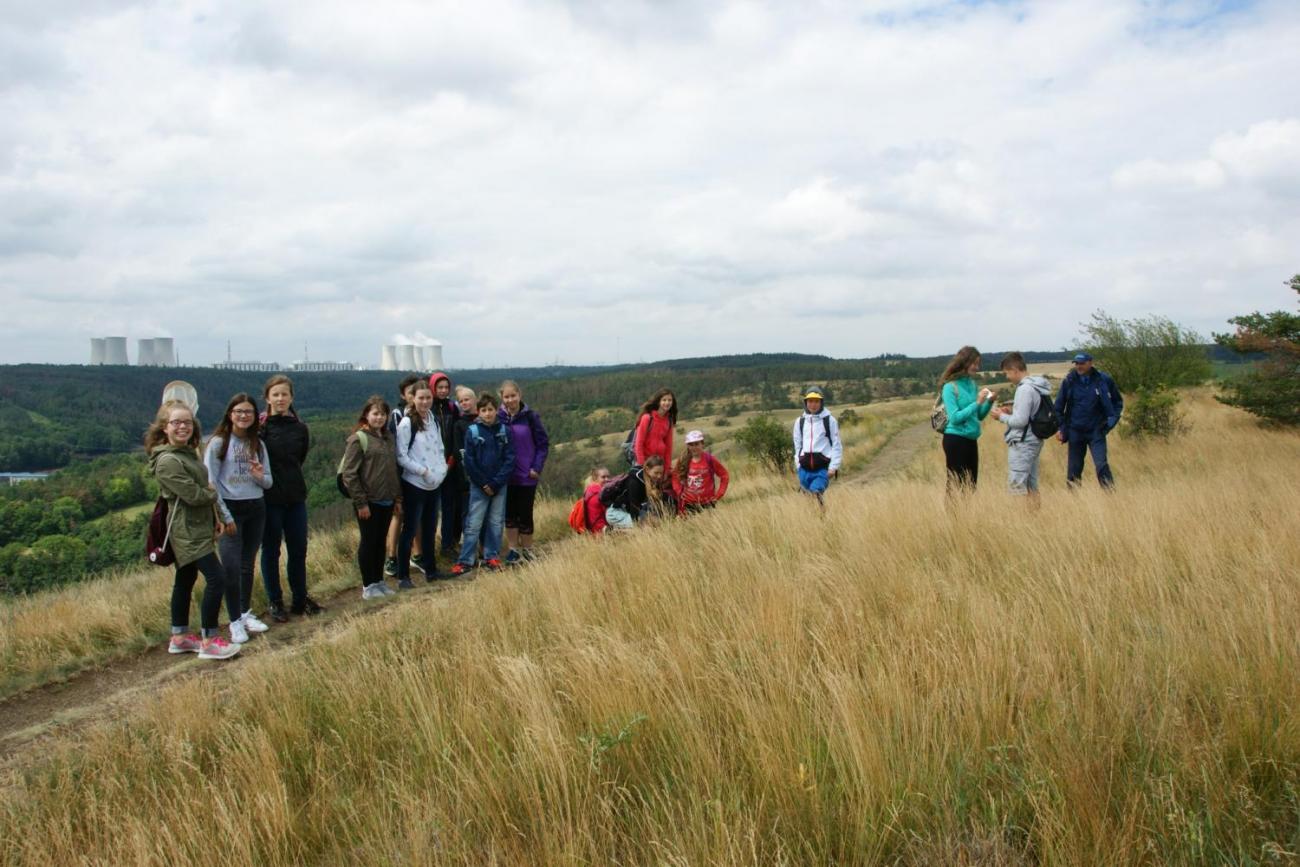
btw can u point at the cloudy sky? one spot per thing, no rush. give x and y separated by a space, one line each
588 181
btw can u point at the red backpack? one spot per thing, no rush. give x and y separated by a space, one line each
578 516
157 539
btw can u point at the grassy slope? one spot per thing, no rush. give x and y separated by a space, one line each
1109 682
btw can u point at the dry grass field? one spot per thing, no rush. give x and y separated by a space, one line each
1110 680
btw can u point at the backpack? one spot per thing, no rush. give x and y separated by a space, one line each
578 516
363 441
1044 423
157 538
939 414
629 446
613 489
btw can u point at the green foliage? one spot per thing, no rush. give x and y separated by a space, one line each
1271 390
1146 352
768 442
1153 413
599 743
53 560
722 421
849 417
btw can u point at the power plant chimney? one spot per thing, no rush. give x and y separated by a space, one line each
388 357
115 351
96 350
433 355
164 352
406 357
144 352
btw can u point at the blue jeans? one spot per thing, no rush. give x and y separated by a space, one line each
419 513
814 481
1080 442
287 522
483 510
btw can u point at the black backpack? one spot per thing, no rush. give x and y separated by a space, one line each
613 489
1044 423
629 448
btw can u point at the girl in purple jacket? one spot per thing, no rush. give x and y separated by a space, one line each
531 445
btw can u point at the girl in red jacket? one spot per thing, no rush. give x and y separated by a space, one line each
594 508
654 428
695 476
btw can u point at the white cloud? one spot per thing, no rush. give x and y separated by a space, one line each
532 180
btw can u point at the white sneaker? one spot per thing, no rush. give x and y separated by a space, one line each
373 591
238 633
387 591
252 624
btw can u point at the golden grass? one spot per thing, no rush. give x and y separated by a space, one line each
1111 680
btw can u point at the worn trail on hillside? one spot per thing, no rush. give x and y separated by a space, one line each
63 707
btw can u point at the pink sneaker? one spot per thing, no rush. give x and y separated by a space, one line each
217 648
184 644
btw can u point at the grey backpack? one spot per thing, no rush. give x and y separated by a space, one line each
939 414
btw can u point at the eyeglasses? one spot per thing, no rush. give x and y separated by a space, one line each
180 423
241 412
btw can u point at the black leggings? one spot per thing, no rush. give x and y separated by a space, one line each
374 538
210 605
962 457
519 508
239 553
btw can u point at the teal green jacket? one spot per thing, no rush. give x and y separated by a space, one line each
964 414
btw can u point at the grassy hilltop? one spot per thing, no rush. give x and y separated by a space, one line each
1110 681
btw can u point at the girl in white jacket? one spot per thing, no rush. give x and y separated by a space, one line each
423 459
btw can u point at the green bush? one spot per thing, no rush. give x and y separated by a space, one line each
1271 390
1153 413
768 442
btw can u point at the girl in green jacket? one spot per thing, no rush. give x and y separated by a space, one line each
172 443
967 405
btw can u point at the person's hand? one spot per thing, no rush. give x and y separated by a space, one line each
256 471
532 474
830 474
997 412
487 489
230 529
364 513
1060 436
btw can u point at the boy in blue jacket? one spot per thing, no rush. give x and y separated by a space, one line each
488 459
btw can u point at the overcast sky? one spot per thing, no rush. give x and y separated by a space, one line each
579 181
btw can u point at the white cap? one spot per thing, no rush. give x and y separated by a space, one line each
695 436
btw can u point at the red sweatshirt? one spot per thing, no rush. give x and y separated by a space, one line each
697 487
654 436
596 522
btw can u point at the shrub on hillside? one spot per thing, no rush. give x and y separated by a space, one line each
1153 413
768 442
1147 352
1272 390
722 421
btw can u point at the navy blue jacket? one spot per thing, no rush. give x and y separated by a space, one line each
1089 403
489 455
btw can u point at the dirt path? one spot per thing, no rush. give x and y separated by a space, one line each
63 707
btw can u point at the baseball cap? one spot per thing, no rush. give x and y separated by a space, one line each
1082 357
812 392
695 436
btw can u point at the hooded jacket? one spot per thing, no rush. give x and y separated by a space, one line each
183 481
1029 393
654 436
810 437
489 455
1089 404
445 410
530 441
371 475
965 409
287 442
422 457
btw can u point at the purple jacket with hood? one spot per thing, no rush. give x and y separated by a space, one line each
530 441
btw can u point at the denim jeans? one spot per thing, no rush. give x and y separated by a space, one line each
483 510
287 522
238 553
1079 443
419 513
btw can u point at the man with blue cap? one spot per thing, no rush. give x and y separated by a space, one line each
1089 406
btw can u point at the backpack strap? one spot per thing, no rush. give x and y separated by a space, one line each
826 423
363 440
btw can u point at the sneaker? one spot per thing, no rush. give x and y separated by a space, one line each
514 557
405 584
458 570
252 624
188 643
386 590
529 555
217 648
493 565
238 634
309 607
373 591
435 574
390 567
278 614
415 564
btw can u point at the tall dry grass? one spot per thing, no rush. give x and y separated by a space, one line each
1111 680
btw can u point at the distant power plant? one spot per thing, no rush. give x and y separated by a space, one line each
153 352
421 357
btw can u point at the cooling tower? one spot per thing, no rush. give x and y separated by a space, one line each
433 355
388 357
144 352
96 350
406 357
115 350
164 352
421 361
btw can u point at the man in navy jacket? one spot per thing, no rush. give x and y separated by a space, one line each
1089 406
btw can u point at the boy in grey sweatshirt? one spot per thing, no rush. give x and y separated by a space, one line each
1023 448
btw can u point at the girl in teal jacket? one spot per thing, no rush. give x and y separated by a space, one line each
967 405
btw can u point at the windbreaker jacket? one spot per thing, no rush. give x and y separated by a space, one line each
654 436
287 442
812 440
183 481
489 455
1089 404
422 458
530 441
371 475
